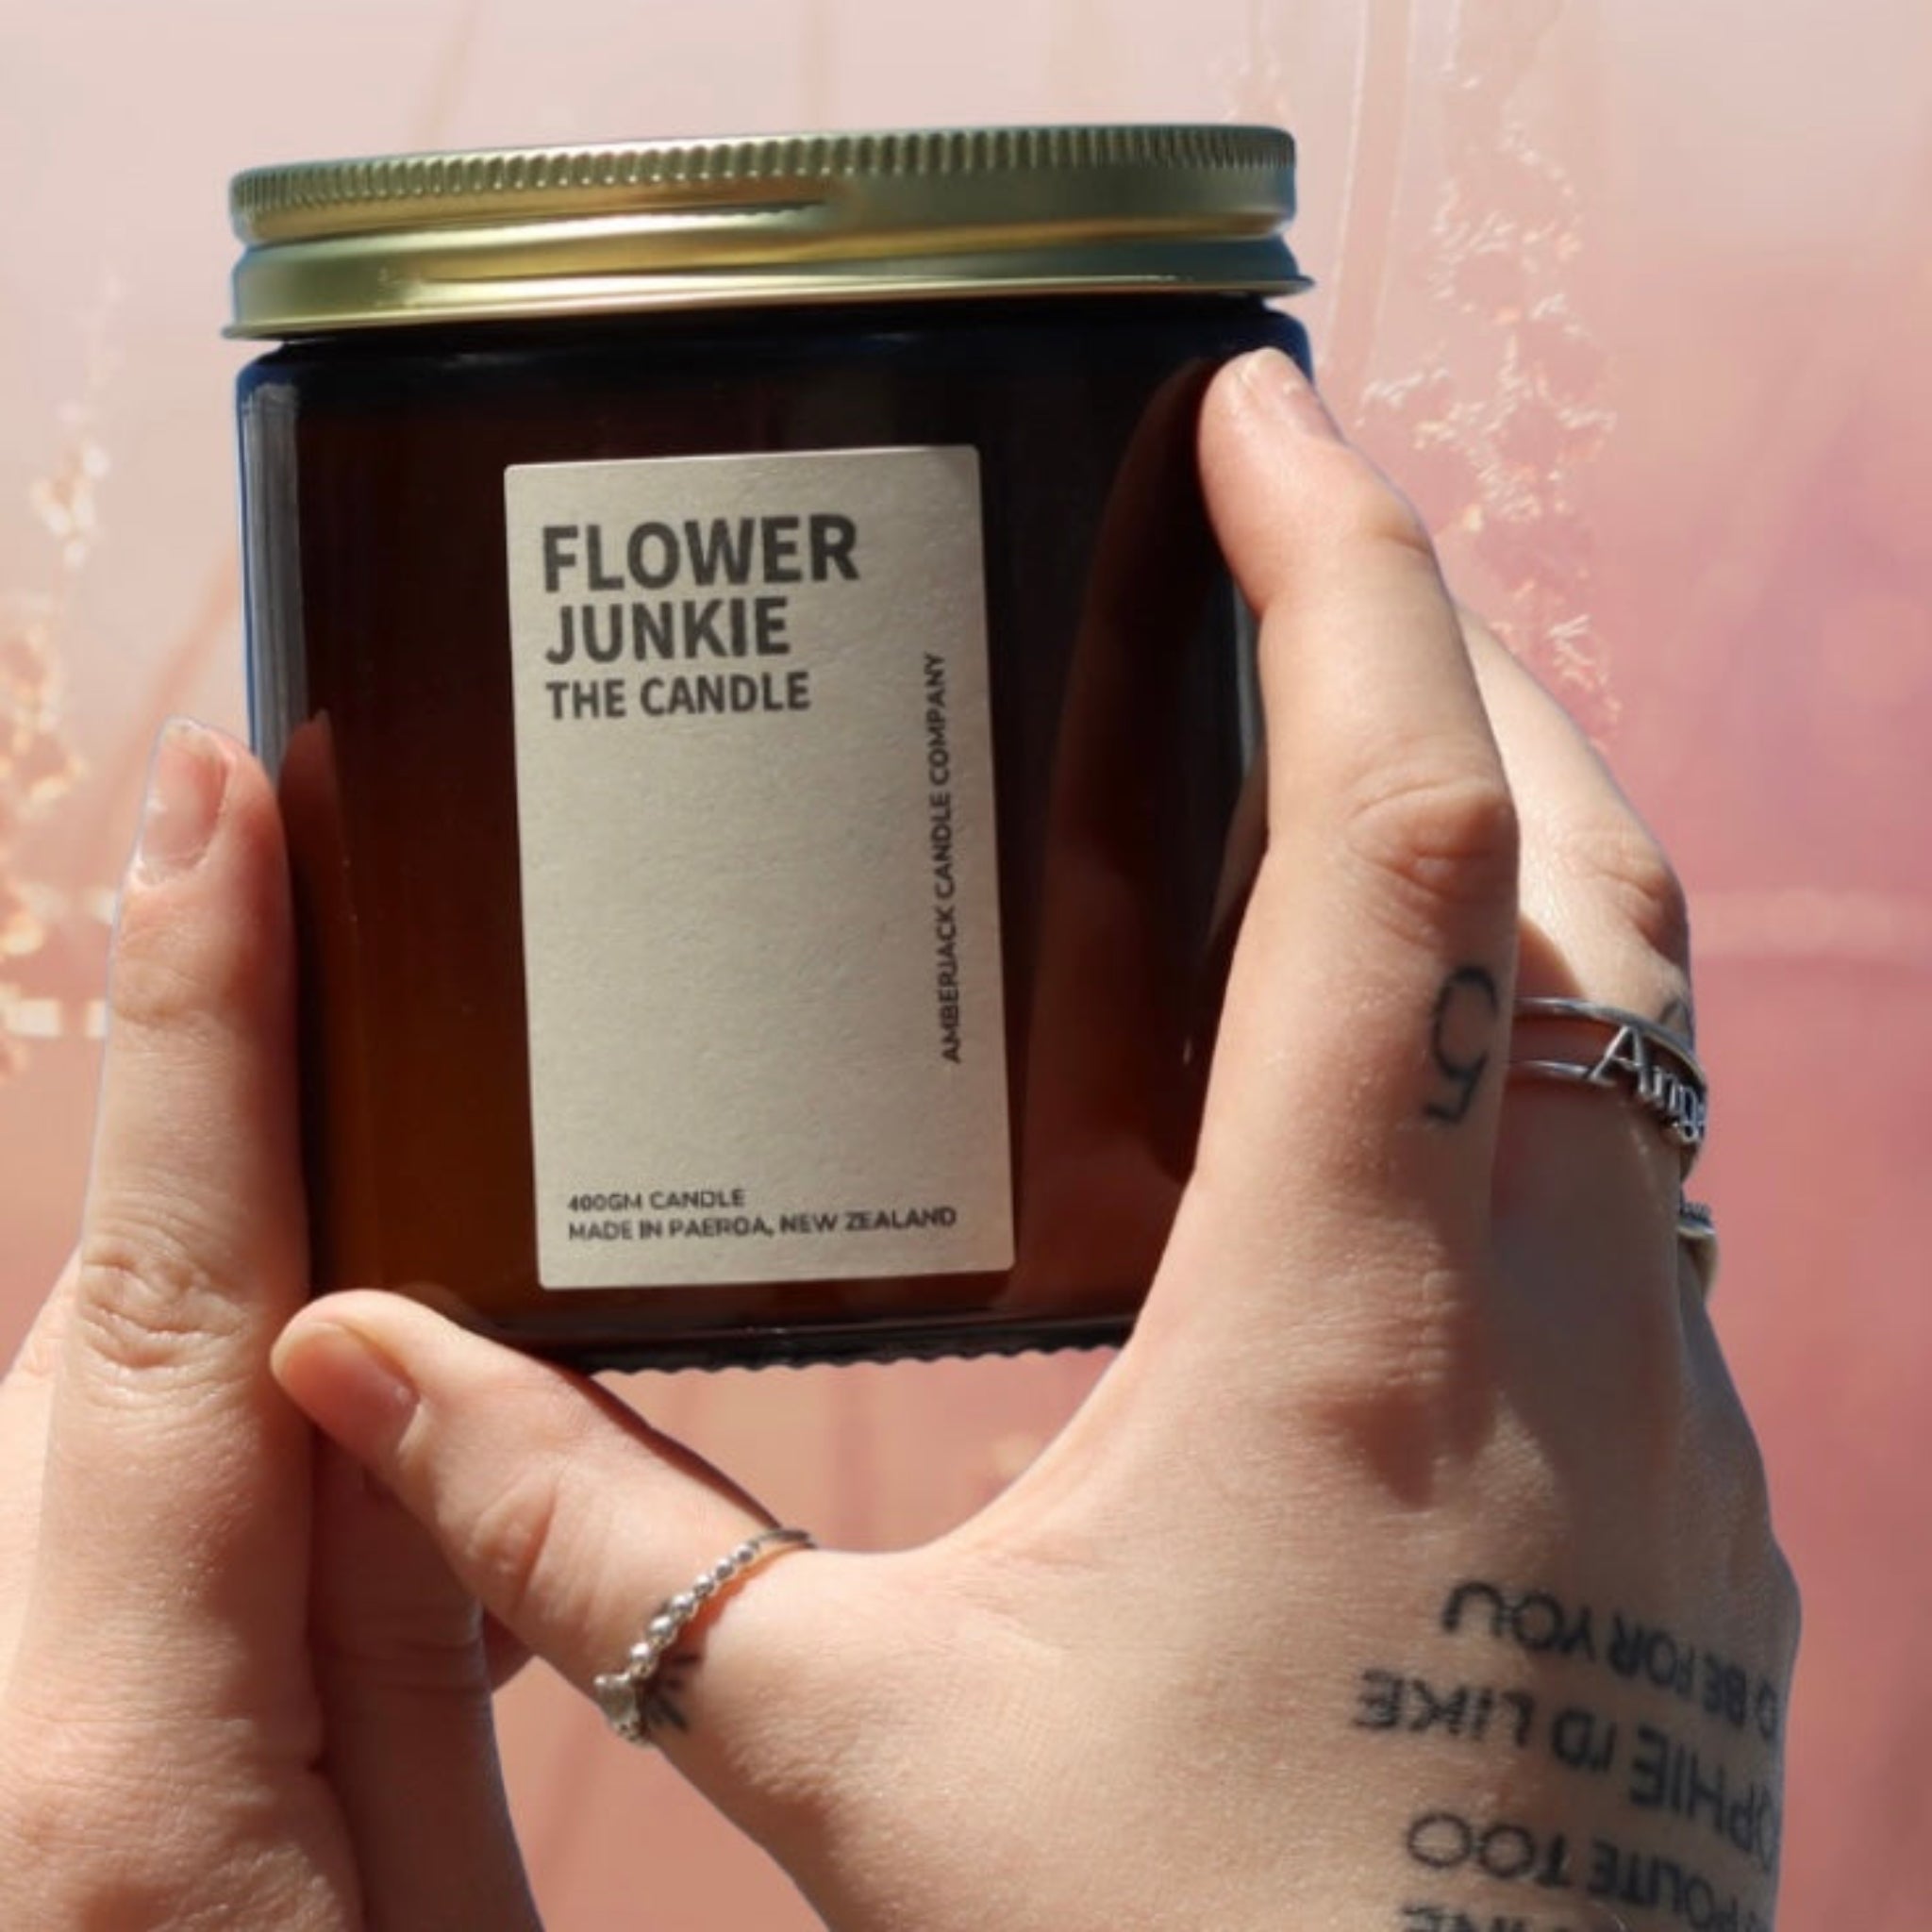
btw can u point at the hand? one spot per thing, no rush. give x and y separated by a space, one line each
240 1690
1411 1568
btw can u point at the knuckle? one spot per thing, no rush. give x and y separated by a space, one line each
146 1304
1404 1400
1370 514
174 972
1618 860
1770 1586
152 987
1438 824
86 1844
1749 1504
74 1828
512 1547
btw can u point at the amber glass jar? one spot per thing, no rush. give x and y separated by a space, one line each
761 723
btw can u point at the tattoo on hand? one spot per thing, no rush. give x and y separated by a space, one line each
1705 1769
1462 1030
1640 1653
663 1702
1439 1917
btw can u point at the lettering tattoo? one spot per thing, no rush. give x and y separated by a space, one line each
1626 1647
1520 1857
1402 1701
1462 1032
1442 1918
1705 1770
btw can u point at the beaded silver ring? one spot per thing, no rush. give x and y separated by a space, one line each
626 1696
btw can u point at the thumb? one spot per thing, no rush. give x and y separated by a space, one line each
568 1518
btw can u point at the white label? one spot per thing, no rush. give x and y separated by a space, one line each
761 892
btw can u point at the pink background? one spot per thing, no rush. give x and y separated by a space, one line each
1635 296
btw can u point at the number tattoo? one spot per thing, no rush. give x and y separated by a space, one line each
1466 1012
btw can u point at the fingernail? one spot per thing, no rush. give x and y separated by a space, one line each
349 1388
185 784
1276 383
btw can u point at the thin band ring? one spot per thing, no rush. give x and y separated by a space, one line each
1656 1066
628 1697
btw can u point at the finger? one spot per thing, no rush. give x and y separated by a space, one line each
403 1672
176 1500
1586 1181
1597 890
26 1398
565 1516
1358 1073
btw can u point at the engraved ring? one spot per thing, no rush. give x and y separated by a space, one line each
625 1697
1648 1061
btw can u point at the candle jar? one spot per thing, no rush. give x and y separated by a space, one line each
762 725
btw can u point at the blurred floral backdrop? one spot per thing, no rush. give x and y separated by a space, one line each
1634 297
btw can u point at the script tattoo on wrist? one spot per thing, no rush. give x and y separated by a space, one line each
1678 1739
1462 1032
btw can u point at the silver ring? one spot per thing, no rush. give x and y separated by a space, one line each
626 1697
1697 1230
1647 1060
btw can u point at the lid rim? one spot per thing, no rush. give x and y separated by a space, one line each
257 196
833 217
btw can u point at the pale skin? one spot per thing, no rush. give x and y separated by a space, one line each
1419 1329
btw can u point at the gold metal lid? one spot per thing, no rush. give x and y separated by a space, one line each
787 219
